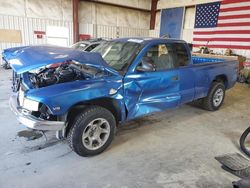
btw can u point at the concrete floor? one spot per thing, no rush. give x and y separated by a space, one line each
175 148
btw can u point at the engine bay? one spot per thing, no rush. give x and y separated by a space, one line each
61 73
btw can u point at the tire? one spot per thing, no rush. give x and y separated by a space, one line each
243 140
209 102
248 81
241 79
6 66
92 131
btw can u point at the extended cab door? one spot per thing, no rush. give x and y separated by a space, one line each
150 91
186 71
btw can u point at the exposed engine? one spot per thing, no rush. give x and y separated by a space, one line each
65 72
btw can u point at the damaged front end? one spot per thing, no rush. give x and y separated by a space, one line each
31 113
39 69
29 119
60 73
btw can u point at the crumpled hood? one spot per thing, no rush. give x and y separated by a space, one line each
7 53
23 59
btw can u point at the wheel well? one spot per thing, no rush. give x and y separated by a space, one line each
221 78
108 103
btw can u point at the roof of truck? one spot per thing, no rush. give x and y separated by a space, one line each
147 40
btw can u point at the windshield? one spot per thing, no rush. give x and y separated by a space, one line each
118 54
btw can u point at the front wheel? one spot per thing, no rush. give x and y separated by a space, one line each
92 131
215 97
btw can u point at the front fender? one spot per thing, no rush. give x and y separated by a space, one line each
60 97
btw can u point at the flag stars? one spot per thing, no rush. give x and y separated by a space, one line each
207 15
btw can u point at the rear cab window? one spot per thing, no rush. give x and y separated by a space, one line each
182 56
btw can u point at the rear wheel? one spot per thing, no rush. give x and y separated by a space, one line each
248 81
215 97
92 131
241 78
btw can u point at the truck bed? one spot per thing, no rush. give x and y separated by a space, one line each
205 69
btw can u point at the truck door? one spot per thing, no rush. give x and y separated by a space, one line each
148 91
186 71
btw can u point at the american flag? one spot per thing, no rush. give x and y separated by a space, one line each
222 25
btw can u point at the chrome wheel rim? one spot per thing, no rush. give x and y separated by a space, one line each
218 97
96 134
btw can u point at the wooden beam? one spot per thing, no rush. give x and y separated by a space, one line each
153 13
75 21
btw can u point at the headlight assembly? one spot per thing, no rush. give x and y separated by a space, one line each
30 105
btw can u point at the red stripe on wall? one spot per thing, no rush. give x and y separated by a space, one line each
234 16
223 39
224 46
235 9
233 24
222 32
233 1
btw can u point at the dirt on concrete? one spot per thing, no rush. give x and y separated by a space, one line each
29 134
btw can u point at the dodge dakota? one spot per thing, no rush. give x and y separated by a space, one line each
83 96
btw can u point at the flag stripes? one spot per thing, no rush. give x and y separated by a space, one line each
232 29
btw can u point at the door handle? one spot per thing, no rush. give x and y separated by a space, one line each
174 78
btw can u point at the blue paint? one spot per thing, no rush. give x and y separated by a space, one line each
171 22
23 59
136 93
198 60
68 94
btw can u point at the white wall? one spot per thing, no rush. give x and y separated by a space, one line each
162 4
188 26
110 15
144 4
56 9
89 12
158 20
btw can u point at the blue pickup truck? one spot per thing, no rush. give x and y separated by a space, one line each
83 96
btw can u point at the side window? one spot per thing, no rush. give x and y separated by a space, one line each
160 56
182 58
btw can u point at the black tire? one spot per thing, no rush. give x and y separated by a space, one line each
80 124
6 66
243 140
208 102
248 81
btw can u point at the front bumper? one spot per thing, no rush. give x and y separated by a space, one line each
33 122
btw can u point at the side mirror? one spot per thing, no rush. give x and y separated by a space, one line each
146 67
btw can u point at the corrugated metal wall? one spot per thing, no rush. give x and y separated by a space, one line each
29 25
115 31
